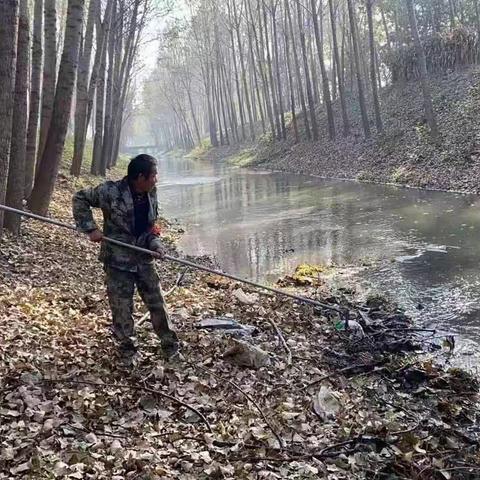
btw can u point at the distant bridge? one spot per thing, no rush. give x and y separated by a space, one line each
137 149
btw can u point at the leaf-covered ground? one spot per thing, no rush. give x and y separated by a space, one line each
349 405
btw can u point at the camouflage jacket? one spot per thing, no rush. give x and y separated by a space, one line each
116 202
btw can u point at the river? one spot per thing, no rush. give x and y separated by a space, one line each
423 247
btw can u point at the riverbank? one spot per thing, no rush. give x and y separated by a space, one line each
402 155
320 402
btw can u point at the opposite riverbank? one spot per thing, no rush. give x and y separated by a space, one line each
402 155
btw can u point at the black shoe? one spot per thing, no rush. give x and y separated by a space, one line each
127 348
171 352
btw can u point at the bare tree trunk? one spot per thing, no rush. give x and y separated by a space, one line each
325 87
273 91
356 58
298 72
96 167
49 73
82 90
18 146
255 77
259 47
8 42
308 84
385 27
107 145
341 88
277 70
52 154
35 82
290 80
427 96
373 76
244 75
451 12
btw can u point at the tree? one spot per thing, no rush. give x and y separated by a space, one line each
373 75
8 42
82 89
339 70
356 60
35 83
326 89
52 154
311 103
427 96
18 147
49 73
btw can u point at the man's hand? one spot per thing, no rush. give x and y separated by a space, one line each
160 253
95 236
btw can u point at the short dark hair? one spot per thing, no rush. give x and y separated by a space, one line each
141 164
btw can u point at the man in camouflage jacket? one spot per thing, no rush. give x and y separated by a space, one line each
130 210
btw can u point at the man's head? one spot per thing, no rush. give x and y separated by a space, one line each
142 172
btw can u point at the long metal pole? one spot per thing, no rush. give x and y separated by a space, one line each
177 260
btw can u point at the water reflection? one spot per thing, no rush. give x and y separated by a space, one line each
260 225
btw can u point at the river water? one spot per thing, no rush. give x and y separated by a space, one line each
423 247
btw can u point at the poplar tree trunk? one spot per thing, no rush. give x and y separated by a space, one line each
373 76
35 83
290 80
244 75
18 146
277 70
82 90
48 169
308 84
255 78
261 59
427 96
273 90
8 50
298 72
96 167
49 73
325 87
356 58
339 65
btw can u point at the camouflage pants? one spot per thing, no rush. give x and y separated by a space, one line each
121 289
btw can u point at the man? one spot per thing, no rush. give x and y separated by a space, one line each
130 210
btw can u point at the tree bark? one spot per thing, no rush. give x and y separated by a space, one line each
96 167
290 80
244 75
273 90
339 67
8 42
49 73
255 77
373 75
273 8
107 145
259 47
308 84
427 96
356 58
325 87
18 146
48 170
35 83
298 72
82 90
